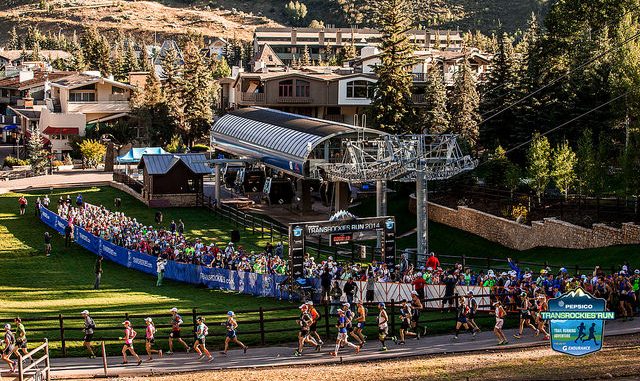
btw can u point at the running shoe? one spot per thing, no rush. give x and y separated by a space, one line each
455 337
357 349
537 332
365 337
210 359
124 362
333 354
188 349
169 353
395 340
401 343
474 334
417 335
321 342
92 356
139 362
318 347
517 336
201 357
424 331
546 337
297 354
244 350
149 359
383 349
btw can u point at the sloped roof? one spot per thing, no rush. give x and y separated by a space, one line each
268 56
162 163
39 78
135 154
81 79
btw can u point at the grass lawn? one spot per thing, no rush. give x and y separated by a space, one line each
33 286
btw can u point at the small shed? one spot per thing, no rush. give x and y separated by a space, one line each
173 179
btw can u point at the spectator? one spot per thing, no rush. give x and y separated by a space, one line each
418 284
22 201
68 232
350 289
433 261
98 271
336 295
325 283
180 227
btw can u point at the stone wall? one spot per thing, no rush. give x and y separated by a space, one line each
172 200
550 232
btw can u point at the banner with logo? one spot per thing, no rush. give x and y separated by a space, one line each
52 220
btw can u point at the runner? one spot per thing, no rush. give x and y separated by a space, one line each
383 325
473 309
525 315
361 318
342 334
405 321
21 337
463 311
541 305
9 346
129 335
232 325
349 316
313 328
89 326
200 345
497 329
150 339
304 336
176 321
416 307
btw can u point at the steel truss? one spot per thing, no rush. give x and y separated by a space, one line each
406 158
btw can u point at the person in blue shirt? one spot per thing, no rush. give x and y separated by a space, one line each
342 334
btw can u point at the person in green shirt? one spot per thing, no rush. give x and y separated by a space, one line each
21 337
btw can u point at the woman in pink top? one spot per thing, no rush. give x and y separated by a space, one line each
150 333
129 335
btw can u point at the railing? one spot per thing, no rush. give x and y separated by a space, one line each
34 372
5 119
253 97
294 100
417 98
125 179
418 77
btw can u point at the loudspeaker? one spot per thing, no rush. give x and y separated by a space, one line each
235 236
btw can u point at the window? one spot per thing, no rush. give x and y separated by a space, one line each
285 88
117 90
302 88
359 89
82 96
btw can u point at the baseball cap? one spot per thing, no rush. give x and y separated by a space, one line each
148 319
85 312
381 305
174 309
636 271
414 292
345 304
7 326
563 270
126 322
302 307
230 313
470 293
309 302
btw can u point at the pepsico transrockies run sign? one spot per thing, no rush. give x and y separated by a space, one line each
576 322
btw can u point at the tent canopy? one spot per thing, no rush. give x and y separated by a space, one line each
135 154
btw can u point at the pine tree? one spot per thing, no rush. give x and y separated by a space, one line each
77 60
434 117
220 68
14 39
131 63
145 60
348 53
391 107
103 57
563 167
117 63
90 45
37 154
464 105
173 88
499 92
197 88
306 57
436 44
586 162
539 157
35 52
150 112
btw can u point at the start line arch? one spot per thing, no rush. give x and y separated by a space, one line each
298 232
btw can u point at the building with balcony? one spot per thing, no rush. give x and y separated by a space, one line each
289 43
74 102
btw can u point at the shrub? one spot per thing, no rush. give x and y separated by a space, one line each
57 163
11 162
199 148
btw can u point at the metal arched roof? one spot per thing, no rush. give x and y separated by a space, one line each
278 138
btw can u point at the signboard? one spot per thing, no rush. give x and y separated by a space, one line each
576 321
296 251
340 239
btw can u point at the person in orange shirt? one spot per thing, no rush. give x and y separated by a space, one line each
313 328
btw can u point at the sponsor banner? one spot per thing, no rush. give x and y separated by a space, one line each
51 219
142 262
114 253
86 240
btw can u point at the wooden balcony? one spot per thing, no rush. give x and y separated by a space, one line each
294 100
253 97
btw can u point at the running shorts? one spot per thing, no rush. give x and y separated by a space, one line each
231 334
369 295
361 325
415 317
9 350
471 316
382 332
88 337
350 329
404 324
151 340
341 336
499 323
21 344
314 327
201 340
462 319
174 334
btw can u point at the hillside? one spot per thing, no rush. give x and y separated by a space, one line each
228 18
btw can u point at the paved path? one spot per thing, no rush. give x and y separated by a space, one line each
282 355
62 179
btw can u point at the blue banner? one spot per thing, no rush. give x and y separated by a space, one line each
239 281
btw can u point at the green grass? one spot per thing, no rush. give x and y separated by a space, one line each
33 286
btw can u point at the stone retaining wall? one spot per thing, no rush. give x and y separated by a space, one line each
550 232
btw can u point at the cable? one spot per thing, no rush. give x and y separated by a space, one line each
588 62
585 63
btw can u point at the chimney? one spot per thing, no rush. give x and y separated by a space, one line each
25 75
28 102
